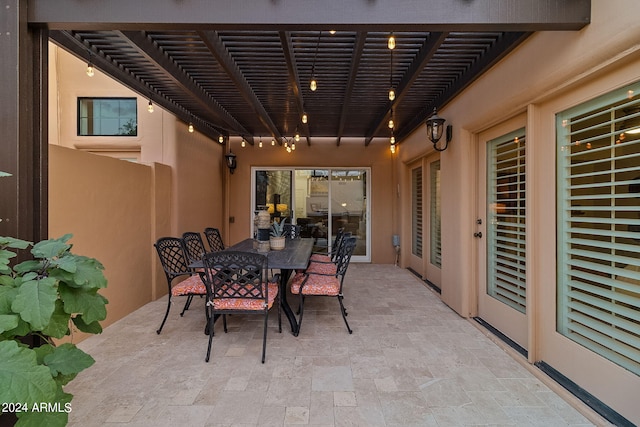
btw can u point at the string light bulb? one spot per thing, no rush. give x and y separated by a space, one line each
190 128
313 84
305 118
393 148
390 123
260 143
392 94
273 141
293 146
392 140
150 107
221 139
90 70
297 137
391 43
243 143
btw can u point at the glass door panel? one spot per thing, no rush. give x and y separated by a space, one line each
348 195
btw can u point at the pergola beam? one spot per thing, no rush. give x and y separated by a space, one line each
355 65
386 15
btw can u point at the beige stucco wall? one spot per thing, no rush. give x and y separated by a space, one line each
548 73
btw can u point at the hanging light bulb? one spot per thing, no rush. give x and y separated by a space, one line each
190 128
286 144
390 123
90 71
288 149
293 146
332 32
297 137
393 148
243 143
221 139
273 141
150 107
260 143
392 140
392 94
313 84
391 43
305 118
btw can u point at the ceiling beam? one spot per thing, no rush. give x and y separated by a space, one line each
74 45
398 15
294 79
422 58
499 50
220 52
145 47
358 47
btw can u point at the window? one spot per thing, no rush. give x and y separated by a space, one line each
416 212
598 199
434 211
107 117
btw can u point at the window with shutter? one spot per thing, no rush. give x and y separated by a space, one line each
598 223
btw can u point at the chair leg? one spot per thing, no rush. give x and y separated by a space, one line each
264 336
210 327
224 322
301 313
186 305
165 314
344 313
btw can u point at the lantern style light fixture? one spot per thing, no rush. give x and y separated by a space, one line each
435 129
230 158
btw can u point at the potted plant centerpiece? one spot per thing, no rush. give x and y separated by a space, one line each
277 239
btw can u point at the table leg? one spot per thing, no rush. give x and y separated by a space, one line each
284 279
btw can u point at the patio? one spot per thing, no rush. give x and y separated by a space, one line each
410 361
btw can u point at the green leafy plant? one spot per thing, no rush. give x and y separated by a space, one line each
44 297
277 228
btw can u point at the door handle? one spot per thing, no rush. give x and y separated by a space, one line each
478 234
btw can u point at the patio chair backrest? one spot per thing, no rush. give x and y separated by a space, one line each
193 246
171 253
214 239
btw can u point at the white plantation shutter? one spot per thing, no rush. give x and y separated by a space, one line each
416 211
598 193
506 227
434 212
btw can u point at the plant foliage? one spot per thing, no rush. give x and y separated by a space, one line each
277 228
44 297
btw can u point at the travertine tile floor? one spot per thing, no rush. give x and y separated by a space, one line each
411 361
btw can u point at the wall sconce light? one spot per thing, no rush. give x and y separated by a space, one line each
230 158
435 128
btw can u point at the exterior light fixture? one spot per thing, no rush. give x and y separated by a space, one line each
273 141
392 94
435 128
190 128
150 107
393 148
390 124
297 136
305 118
230 158
293 146
260 143
221 139
313 84
243 143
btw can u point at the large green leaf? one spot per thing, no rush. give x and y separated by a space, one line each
79 271
58 326
54 413
35 302
90 328
7 295
26 266
68 359
22 379
79 301
8 322
52 248
11 242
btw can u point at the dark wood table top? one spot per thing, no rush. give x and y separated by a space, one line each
294 256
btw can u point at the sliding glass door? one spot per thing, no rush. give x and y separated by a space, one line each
319 200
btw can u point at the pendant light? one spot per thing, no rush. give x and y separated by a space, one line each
313 83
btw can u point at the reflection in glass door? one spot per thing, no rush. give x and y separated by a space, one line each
319 200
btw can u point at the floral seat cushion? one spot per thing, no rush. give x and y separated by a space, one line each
322 268
320 258
316 284
246 303
191 286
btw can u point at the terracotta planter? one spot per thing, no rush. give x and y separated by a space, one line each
277 243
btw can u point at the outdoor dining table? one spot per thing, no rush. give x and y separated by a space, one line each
294 256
